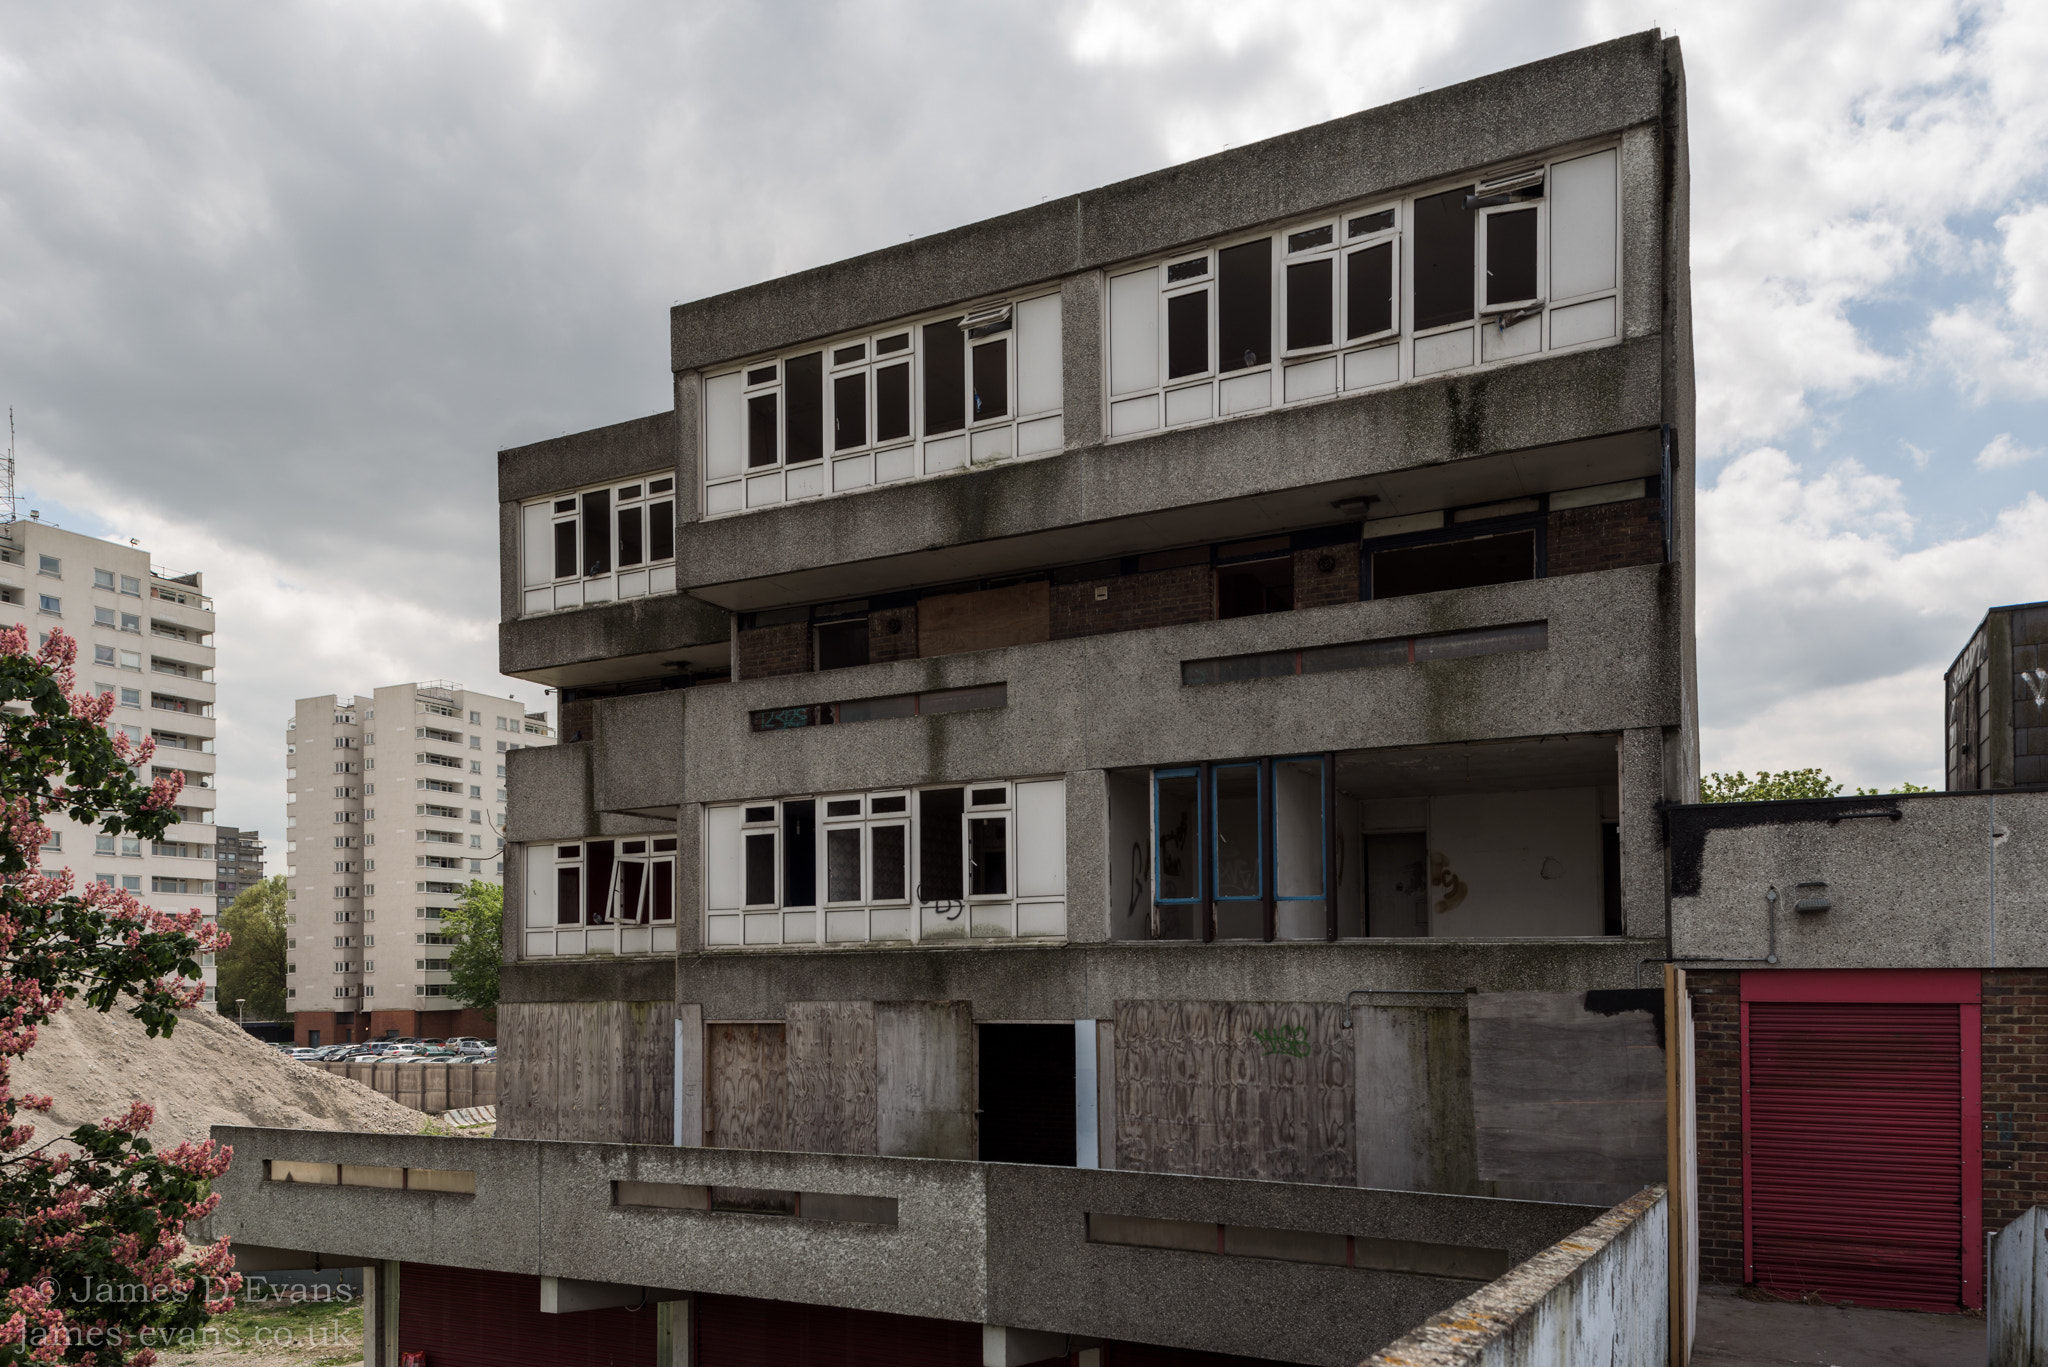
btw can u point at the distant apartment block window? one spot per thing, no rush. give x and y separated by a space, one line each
103 844
103 579
596 545
55 842
131 697
103 655
105 617
131 586
1502 267
51 565
131 882
51 604
131 622
189 886
132 660
441 761
476 719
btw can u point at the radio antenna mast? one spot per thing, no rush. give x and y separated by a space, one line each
7 471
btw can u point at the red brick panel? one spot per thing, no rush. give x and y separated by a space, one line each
1606 536
2015 1093
892 635
578 721
1717 1090
767 651
1134 602
1316 587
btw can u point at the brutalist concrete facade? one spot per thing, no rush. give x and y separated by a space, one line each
1343 652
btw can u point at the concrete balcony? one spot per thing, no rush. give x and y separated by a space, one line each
1148 1257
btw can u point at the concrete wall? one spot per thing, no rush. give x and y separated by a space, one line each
989 1243
1597 1299
2017 1314
1934 880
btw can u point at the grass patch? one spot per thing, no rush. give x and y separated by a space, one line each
333 1329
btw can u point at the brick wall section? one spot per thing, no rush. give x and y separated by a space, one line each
1317 588
2015 1093
578 721
1154 598
767 651
1717 1090
885 644
1606 536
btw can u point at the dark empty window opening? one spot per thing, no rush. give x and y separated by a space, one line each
632 549
1502 559
1026 1082
1187 270
849 411
1260 587
841 645
565 550
1311 306
598 858
892 402
1369 298
661 531
897 342
945 377
991 380
1443 259
1366 224
803 384
760 430
1511 257
597 539
569 896
1187 334
1244 305
939 865
1610 879
988 856
800 853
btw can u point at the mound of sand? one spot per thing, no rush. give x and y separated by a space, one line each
206 1072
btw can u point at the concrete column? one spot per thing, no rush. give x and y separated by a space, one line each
1643 785
1087 1130
672 1340
1001 1347
380 1315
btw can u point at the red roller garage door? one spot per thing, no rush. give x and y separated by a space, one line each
1862 1170
465 1318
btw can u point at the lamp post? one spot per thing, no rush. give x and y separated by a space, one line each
240 1012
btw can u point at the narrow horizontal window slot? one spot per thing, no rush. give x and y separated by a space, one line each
293 1173
1187 270
1449 645
980 697
835 1207
1415 1256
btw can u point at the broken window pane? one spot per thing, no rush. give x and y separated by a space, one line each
847 355
1187 270
1298 828
1237 830
1187 334
1369 291
892 402
1178 827
800 853
803 386
842 864
565 549
945 377
885 854
1311 238
598 859
1511 256
1370 223
760 430
1311 308
631 547
938 844
991 380
663 898
1260 587
761 375
661 531
569 897
894 342
761 869
842 645
1244 305
849 411
988 856
1454 565
1443 259
1397 883
597 533
632 877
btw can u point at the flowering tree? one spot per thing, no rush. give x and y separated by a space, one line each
94 1266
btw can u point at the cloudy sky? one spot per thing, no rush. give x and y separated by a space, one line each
278 279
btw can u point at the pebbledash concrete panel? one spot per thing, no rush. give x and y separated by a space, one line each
974 1242
1908 881
1588 93
1085 982
603 454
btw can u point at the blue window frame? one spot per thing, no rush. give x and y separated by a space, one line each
1177 836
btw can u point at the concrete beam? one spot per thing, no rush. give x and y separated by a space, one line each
569 1295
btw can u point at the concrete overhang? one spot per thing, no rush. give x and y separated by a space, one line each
1513 474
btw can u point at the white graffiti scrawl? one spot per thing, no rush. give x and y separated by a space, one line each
2036 681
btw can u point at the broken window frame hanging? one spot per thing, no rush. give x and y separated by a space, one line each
636 519
1142 396
975 900
581 899
991 334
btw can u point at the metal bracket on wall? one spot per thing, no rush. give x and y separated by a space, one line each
1400 992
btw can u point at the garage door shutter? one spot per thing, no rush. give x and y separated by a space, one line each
465 1318
1855 1119
737 1331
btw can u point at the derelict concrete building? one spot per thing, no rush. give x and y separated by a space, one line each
1084 737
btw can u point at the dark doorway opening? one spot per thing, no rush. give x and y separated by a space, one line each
1026 1079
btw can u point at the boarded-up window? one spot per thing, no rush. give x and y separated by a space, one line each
954 622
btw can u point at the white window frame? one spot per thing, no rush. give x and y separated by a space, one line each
545 589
